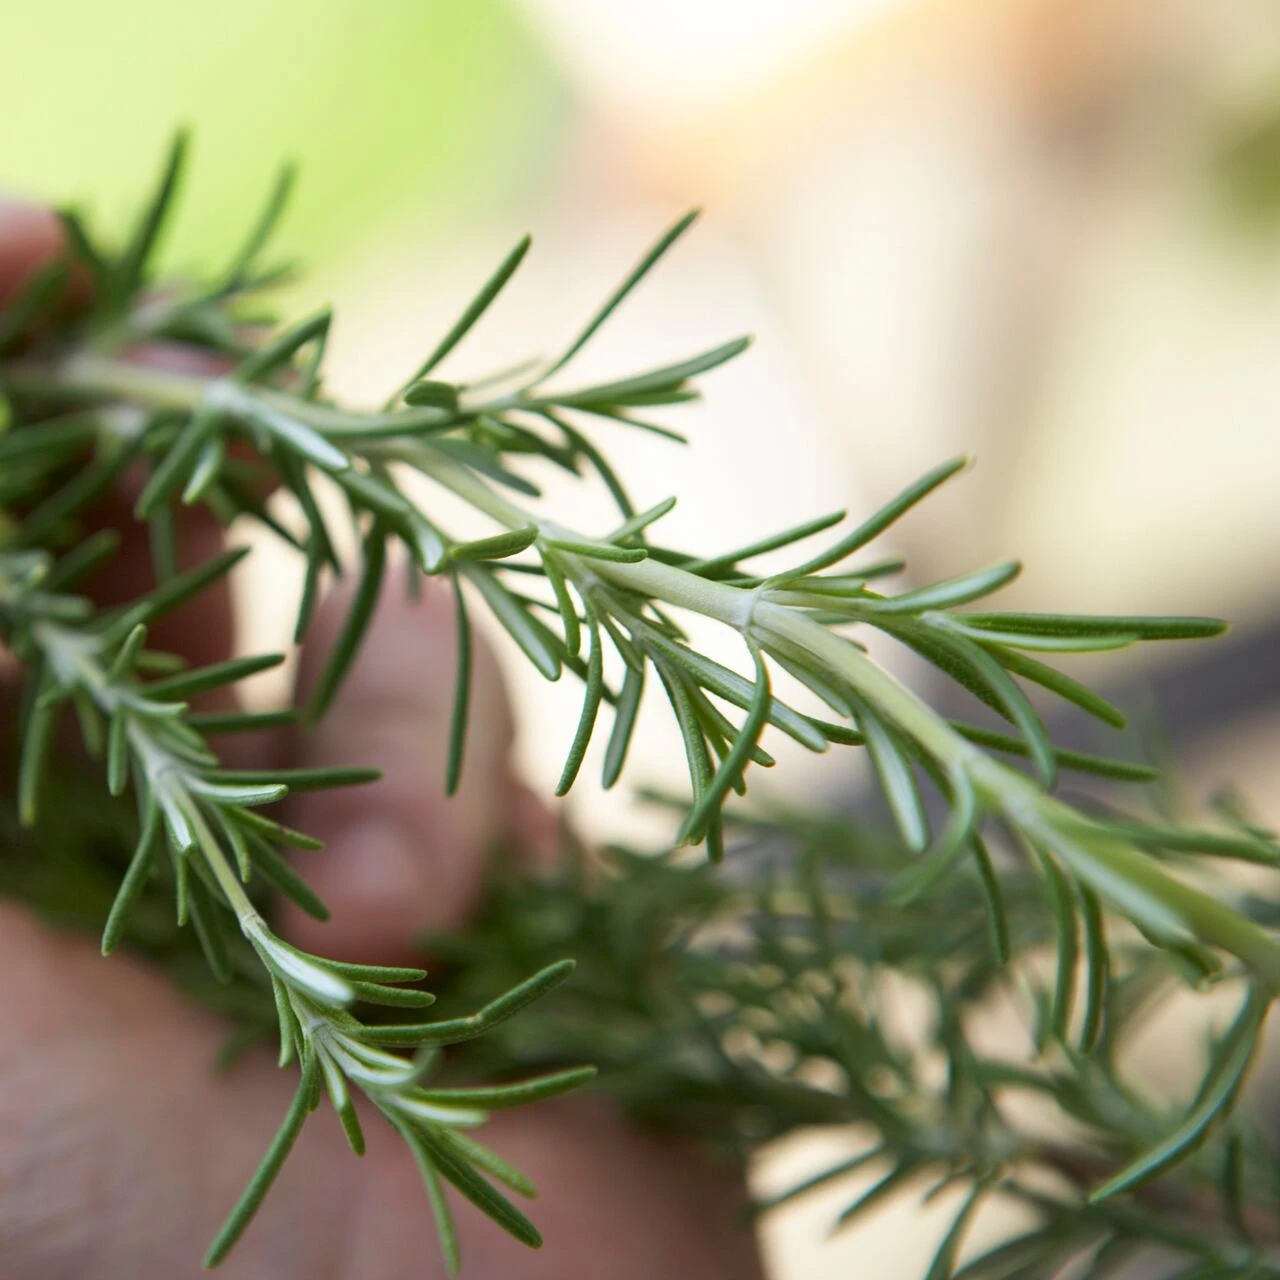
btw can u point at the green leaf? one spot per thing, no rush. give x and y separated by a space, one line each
580 444
175 466
280 351
840 1170
598 550
262 230
697 757
445 1228
281 875
878 523
67 436
639 523
460 713
1064 624
340 1097
812 673
85 487
1003 641
455 1030
624 723
290 1034
173 593
273 831
481 1194
945 595
1210 844
735 762
162 533
213 723
493 1097
564 602
607 394
84 251
1084 698
118 751
896 777
489 1161
997 916
376 972
1079 761
888 1186
1217 1093
205 473
1062 907
215 676
319 545
496 548
1015 705
251 1199
37 741
431 394
39 295
1098 970
325 777
733 688
944 1260
131 269
355 625
519 625
135 880
392 997
590 707
211 929
79 563
475 309
950 844
637 273
310 592
242 795
291 433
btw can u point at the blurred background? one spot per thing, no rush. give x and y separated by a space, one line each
1044 232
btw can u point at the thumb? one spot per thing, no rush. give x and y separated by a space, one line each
400 856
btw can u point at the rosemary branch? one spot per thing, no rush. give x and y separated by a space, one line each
81 412
1126 876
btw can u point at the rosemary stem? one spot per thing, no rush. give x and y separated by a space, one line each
77 665
1124 874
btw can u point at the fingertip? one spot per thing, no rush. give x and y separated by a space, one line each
30 234
401 857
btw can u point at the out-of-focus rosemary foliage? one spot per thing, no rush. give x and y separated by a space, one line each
954 908
798 990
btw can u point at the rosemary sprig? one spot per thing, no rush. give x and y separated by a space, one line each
217 842
82 411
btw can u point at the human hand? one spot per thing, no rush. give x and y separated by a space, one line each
121 1151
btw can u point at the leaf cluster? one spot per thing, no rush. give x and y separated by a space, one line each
801 992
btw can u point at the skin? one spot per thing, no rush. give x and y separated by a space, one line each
120 1151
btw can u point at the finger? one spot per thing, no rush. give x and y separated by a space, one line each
29 236
120 1162
401 857
612 1201
120 1150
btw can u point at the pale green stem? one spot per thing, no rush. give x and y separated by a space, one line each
73 657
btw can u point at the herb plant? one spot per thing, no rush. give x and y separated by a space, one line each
738 1003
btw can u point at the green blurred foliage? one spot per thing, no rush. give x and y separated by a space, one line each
1247 162
388 105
